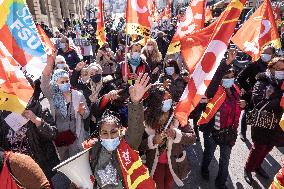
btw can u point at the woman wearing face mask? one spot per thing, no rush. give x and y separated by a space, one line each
220 122
135 65
153 57
60 63
113 153
68 108
266 95
173 76
166 157
105 58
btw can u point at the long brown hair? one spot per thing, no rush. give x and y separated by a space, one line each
156 55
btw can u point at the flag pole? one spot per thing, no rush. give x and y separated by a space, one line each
125 65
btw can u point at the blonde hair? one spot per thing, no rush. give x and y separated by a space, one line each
156 54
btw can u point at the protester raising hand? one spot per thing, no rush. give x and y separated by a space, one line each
232 53
50 62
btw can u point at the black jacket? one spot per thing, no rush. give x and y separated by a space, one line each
39 138
265 136
71 57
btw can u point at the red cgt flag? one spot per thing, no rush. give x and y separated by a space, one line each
138 19
100 34
259 30
208 46
49 47
192 20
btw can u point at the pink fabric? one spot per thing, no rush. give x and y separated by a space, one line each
163 158
230 111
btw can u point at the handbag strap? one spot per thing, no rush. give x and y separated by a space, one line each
259 111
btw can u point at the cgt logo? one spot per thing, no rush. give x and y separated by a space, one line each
23 29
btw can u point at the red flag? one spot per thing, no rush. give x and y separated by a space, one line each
192 20
49 47
208 14
15 90
259 30
100 34
212 42
138 20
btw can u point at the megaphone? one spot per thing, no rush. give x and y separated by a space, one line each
77 169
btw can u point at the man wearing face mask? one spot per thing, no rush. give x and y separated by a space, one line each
246 80
220 123
70 55
135 65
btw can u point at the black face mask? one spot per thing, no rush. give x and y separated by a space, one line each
96 78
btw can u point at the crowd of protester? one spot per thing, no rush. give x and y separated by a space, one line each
97 96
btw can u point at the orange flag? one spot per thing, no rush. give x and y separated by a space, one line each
100 34
192 20
259 30
168 10
138 19
15 90
208 47
208 14
49 47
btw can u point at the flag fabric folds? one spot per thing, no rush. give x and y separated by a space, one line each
100 34
19 35
208 47
192 20
259 30
15 91
138 19
49 47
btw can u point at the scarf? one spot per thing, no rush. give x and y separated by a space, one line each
58 98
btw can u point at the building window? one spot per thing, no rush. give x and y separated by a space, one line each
42 7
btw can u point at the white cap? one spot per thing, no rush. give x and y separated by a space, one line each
59 58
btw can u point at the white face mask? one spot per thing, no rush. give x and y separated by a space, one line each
135 55
62 45
167 104
170 70
110 144
266 57
228 83
60 66
150 48
279 75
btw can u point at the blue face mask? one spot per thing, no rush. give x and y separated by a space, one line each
228 83
65 87
110 144
167 104
60 66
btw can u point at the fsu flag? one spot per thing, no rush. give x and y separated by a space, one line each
19 35
100 34
138 18
192 20
49 47
208 46
15 91
259 30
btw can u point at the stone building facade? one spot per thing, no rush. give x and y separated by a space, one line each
52 12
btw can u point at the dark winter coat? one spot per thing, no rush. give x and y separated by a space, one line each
266 136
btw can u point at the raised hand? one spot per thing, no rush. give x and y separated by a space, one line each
138 90
232 53
82 108
80 65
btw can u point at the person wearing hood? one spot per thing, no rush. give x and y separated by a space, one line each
135 65
265 130
246 80
68 108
